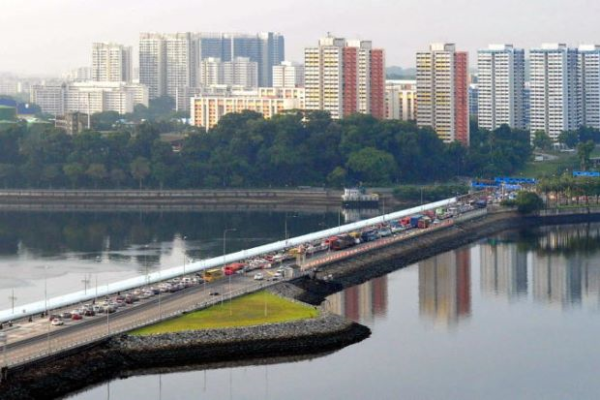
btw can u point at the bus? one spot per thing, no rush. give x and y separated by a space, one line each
212 274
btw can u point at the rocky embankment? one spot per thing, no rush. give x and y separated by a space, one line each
131 355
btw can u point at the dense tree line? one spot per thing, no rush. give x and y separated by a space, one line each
569 190
245 150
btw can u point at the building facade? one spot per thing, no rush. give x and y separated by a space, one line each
345 77
208 109
238 72
401 99
442 92
111 62
554 90
288 74
89 97
501 85
589 78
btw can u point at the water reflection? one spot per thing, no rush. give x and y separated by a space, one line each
445 288
503 271
362 303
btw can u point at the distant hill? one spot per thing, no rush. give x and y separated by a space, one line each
395 72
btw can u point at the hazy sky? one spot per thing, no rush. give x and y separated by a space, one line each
53 36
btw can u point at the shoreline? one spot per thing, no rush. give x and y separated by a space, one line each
184 200
120 358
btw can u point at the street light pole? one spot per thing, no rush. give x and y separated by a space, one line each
224 252
183 250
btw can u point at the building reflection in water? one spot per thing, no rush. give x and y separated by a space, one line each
362 303
503 271
445 288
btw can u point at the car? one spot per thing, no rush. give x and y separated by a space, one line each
76 317
57 322
65 315
278 274
214 293
89 313
259 277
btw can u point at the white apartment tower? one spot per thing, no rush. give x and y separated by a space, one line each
555 89
501 87
111 62
589 74
288 75
238 72
168 65
442 92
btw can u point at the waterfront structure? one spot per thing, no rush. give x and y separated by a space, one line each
401 99
89 97
208 109
238 72
442 92
345 77
589 78
111 62
555 90
288 75
501 84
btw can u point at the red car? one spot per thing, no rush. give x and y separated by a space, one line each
76 317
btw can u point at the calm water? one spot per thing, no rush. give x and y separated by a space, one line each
516 316
76 251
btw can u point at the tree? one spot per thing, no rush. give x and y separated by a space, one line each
569 138
584 151
97 172
528 202
337 177
372 166
117 175
140 169
74 171
541 140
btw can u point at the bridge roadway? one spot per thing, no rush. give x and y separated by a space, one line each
28 341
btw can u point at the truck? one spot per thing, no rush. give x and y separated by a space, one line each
414 220
342 242
233 268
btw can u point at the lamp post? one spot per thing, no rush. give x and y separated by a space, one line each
183 250
224 252
12 299
286 223
86 282
146 247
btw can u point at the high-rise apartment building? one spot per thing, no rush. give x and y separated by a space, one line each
401 99
288 74
345 77
111 62
267 49
589 78
555 89
238 72
501 86
89 97
442 92
168 65
208 109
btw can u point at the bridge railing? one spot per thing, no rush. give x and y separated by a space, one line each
158 276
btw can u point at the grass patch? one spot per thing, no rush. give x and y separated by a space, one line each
248 310
539 169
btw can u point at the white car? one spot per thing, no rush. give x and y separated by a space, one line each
259 277
57 322
278 274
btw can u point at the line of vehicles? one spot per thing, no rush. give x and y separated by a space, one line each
282 259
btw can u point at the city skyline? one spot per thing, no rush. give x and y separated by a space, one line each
47 46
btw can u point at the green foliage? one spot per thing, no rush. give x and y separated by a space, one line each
541 140
569 139
584 150
245 150
528 202
414 193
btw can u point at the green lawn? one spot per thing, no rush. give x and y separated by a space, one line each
244 311
538 169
